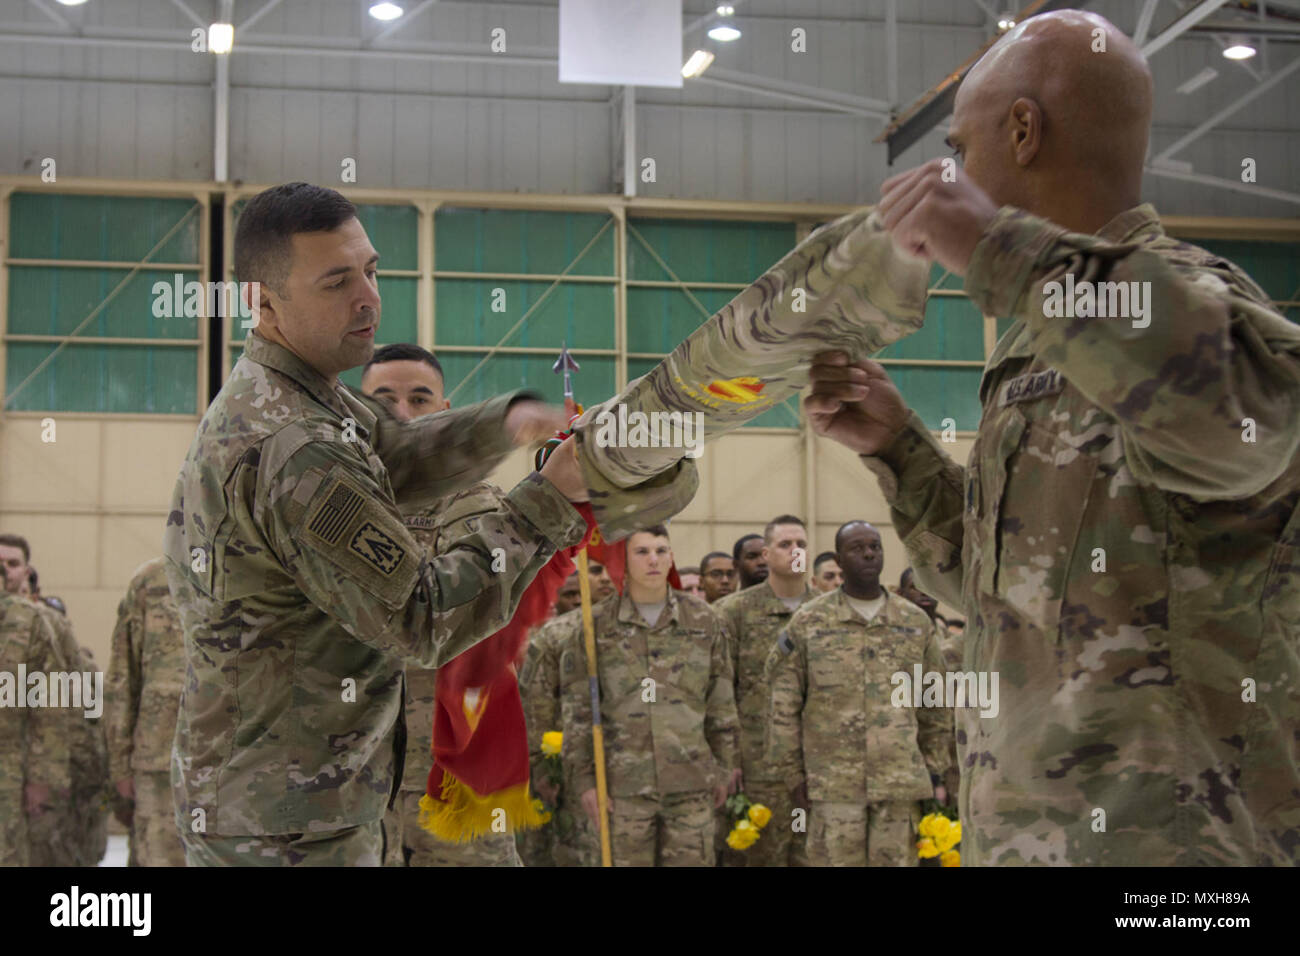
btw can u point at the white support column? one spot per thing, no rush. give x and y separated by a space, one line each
221 106
891 54
628 120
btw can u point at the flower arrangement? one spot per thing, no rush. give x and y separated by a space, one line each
939 836
749 817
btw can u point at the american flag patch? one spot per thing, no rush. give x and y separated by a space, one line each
335 513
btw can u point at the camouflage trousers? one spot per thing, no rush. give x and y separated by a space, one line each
351 846
855 834
567 840
675 829
13 828
153 837
68 835
406 843
780 843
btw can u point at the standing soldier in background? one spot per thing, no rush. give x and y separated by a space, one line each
717 575
35 764
72 831
950 647
1123 539
826 575
690 578
299 587
836 737
668 710
145 671
751 566
753 618
409 381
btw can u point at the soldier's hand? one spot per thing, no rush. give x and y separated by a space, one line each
737 782
719 795
125 788
855 404
941 794
562 470
591 804
936 219
530 421
548 791
36 798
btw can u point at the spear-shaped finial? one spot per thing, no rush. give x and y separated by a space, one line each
567 364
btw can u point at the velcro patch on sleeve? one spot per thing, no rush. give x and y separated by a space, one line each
377 548
784 642
333 515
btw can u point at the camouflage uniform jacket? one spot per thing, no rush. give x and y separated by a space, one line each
436 529
753 618
833 721
34 741
539 681
1126 688
145 671
302 593
682 739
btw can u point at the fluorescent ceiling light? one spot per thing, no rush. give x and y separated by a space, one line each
1199 80
385 11
221 37
724 33
697 64
725 9
72 3
1239 49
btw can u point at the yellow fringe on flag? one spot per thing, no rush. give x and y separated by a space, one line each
462 815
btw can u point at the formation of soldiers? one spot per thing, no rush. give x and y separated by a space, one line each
1123 555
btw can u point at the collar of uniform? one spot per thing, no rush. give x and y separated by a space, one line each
1132 223
628 613
772 604
272 355
847 612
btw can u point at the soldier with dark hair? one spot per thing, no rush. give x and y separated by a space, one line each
751 566
300 589
717 575
826 575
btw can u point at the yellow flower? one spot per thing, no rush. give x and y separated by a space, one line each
950 858
926 849
930 823
551 741
759 815
949 838
742 836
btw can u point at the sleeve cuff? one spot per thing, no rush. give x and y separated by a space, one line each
887 463
549 511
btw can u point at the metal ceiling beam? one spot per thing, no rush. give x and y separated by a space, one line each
1143 28
1277 77
402 22
1233 184
936 103
262 11
1180 26
193 17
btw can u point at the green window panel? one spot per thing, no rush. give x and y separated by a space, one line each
89 378
101 228
516 241
580 314
659 319
1275 266
939 393
706 250
502 373
50 300
784 415
953 330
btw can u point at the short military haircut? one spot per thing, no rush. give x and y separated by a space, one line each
781 519
704 561
739 546
656 529
267 225
846 526
17 541
404 352
691 570
822 559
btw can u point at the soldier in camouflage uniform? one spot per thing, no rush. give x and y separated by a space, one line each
299 587
145 672
35 762
1123 540
753 618
951 649
409 381
837 735
668 710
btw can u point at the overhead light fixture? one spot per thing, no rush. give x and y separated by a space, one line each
385 11
726 10
724 33
221 37
1199 80
72 3
697 64
1006 22
1238 48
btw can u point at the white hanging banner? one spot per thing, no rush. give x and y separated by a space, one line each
621 42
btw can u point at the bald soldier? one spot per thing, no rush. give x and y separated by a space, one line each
301 591
408 380
1122 540
145 670
753 618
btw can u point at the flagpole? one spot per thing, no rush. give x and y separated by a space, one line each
597 730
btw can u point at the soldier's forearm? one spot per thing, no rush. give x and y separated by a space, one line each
924 487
